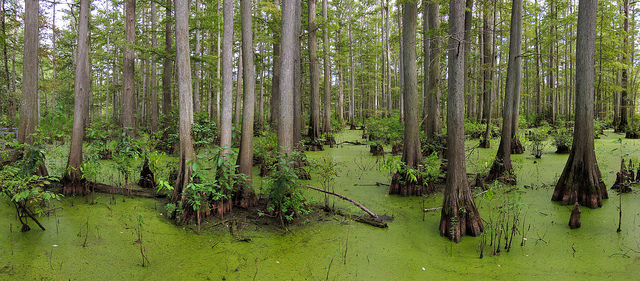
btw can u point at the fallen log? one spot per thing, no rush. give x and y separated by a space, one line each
345 198
109 189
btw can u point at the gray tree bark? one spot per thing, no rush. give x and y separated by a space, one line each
227 77
432 122
326 122
581 180
314 105
167 69
128 90
74 161
185 100
285 117
502 162
459 214
245 156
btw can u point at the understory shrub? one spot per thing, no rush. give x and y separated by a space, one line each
284 189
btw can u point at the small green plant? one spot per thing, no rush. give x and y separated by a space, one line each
284 190
562 139
128 153
538 138
327 170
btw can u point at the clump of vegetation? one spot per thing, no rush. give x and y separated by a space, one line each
386 130
284 190
205 132
538 138
264 151
22 187
413 181
504 220
55 126
437 144
327 170
562 139
598 127
474 130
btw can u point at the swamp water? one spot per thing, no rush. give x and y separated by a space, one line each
98 242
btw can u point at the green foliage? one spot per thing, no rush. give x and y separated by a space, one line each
126 156
474 130
327 169
265 147
562 138
205 132
284 189
436 144
598 127
538 138
386 130
428 170
20 184
55 126
226 170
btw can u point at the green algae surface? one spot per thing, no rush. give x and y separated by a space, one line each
101 241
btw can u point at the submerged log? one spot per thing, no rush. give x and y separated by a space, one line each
109 189
345 198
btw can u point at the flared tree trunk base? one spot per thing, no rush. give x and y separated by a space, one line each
501 173
147 179
402 185
516 146
376 150
582 183
563 149
396 149
459 221
484 143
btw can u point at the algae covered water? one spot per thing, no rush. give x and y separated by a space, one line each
103 241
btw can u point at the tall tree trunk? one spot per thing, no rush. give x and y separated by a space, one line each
154 71
551 74
5 99
326 122
489 75
197 104
432 122
624 97
245 196
218 68
275 80
185 97
502 162
581 180
236 116
128 91
297 76
314 106
412 154
285 117
352 99
459 214
29 113
53 55
401 68
167 69
468 19
74 161
227 77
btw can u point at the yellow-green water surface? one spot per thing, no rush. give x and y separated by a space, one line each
338 249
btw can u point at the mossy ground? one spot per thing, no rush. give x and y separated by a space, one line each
319 246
